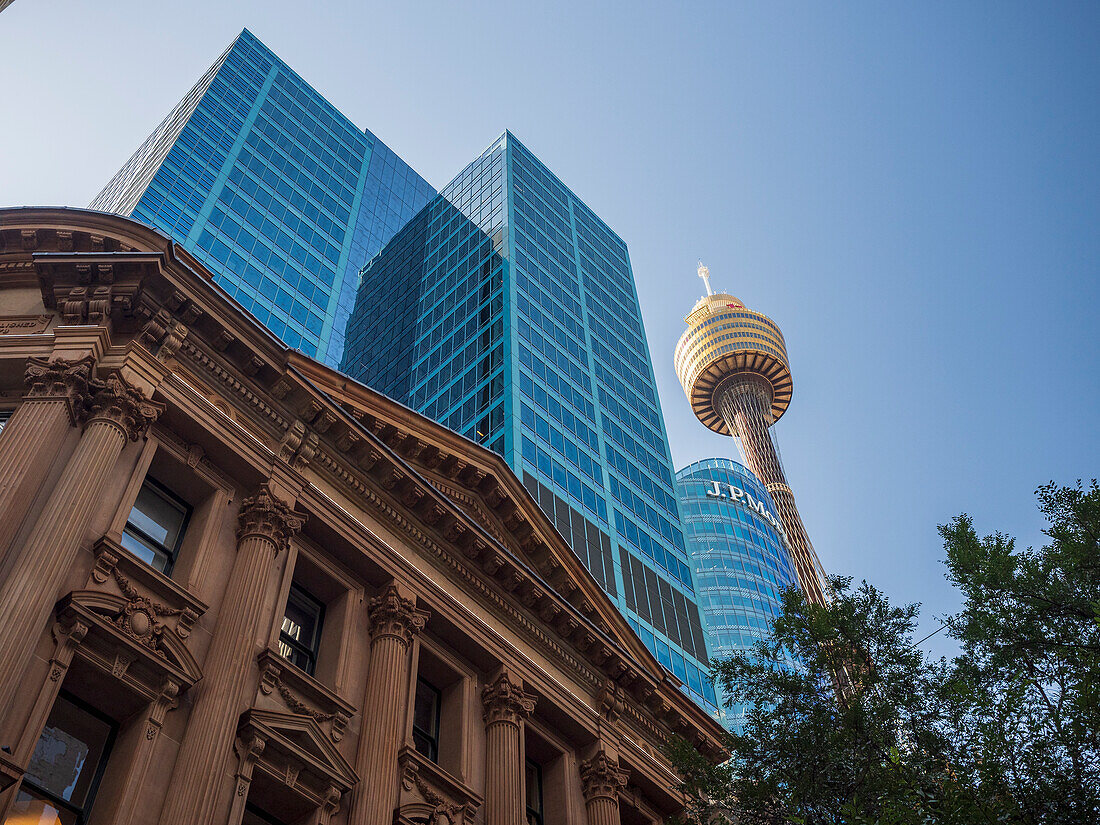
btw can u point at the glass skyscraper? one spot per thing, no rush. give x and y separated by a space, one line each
506 309
271 187
740 559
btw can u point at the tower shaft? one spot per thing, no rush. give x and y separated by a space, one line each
744 402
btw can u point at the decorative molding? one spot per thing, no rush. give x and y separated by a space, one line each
460 566
472 507
446 800
394 616
602 778
61 379
24 324
114 401
138 618
226 378
162 335
267 517
610 701
295 752
503 700
274 675
110 562
298 446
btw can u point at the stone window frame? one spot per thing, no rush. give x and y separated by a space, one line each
457 687
340 595
82 812
310 649
557 759
208 502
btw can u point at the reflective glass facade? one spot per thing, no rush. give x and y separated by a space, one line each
506 310
740 559
273 189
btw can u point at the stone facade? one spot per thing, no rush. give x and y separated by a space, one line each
439 590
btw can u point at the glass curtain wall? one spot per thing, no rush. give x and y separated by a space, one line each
507 311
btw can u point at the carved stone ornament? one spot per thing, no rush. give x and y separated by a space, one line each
602 778
444 811
163 335
138 617
266 516
59 378
504 701
611 700
393 615
116 402
24 324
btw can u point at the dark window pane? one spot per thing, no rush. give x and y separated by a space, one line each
155 526
256 816
63 772
68 752
157 516
533 786
426 719
300 634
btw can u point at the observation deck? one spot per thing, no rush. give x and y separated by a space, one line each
725 339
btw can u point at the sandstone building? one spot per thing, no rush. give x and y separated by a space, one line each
238 587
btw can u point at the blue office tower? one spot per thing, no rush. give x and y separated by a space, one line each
267 184
739 556
506 310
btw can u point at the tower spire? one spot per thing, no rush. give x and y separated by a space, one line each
704 273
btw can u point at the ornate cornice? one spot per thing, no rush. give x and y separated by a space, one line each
394 616
60 379
602 778
503 700
212 366
265 516
114 401
472 507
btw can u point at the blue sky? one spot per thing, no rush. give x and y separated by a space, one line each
911 191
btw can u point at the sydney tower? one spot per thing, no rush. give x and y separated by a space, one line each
732 363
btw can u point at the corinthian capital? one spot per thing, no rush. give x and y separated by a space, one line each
116 402
503 700
60 379
602 778
266 516
393 615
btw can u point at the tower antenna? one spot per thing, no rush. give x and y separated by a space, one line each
704 273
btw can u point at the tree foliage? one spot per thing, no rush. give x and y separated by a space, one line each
1005 733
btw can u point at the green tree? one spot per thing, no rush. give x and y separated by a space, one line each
1006 733
1029 677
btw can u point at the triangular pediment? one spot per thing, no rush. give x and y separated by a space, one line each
301 736
137 623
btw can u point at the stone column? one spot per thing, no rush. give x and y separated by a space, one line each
265 528
115 412
56 393
505 706
601 780
394 620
